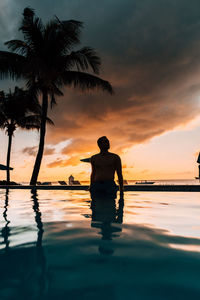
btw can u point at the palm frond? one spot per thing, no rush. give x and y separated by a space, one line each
84 59
28 12
33 104
49 121
11 65
29 122
56 90
3 120
26 99
18 46
32 28
53 100
86 81
69 33
19 108
33 86
2 95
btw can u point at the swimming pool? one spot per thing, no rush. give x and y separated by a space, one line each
59 244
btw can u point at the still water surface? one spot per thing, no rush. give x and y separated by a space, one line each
60 245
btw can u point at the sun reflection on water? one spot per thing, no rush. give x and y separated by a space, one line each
53 241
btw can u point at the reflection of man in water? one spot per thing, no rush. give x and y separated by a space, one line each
104 166
107 218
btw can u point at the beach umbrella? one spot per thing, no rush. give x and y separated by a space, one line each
3 167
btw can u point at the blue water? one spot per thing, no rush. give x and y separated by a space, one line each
59 245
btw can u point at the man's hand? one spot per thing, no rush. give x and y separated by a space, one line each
120 176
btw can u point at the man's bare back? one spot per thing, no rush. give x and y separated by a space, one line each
105 164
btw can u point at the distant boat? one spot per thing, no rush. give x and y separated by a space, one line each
145 182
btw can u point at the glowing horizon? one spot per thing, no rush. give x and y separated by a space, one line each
150 160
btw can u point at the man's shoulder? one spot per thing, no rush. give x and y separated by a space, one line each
115 156
111 155
93 157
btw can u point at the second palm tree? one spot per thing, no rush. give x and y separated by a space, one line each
46 61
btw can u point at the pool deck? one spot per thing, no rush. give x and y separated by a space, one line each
139 188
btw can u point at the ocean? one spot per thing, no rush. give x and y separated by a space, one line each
63 245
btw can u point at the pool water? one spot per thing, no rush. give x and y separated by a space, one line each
61 245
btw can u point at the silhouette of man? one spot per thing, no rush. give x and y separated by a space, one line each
104 166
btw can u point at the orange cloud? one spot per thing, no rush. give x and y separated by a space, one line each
56 163
72 161
136 113
78 145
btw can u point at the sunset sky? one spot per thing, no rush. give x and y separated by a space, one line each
150 52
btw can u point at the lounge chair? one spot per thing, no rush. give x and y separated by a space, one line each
62 182
46 183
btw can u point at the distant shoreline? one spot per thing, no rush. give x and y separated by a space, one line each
147 188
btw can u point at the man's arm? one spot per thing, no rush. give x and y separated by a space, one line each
120 176
93 171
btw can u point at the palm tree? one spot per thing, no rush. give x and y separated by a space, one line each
47 63
16 110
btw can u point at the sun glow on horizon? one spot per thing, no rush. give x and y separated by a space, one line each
168 156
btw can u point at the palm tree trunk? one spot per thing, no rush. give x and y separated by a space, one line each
8 157
38 160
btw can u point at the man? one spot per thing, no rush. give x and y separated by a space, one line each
104 166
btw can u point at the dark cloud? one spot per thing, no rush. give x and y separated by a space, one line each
32 151
150 53
49 151
8 21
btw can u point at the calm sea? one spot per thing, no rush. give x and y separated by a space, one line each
164 181
62 245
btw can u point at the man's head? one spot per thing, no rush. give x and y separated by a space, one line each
103 143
